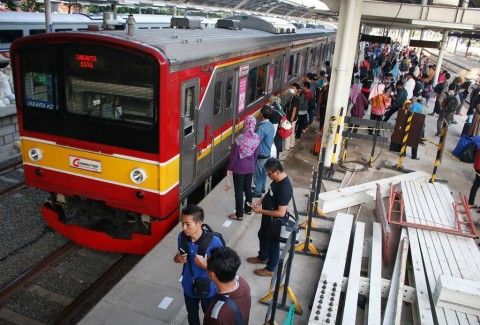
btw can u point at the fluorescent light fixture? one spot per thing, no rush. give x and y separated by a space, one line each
440 24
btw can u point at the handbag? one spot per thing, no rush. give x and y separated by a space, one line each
281 228
285 128
200 286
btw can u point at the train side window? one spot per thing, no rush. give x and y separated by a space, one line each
277 76
8 36
229 92
257 80
189 104
298 66
36 31
39 91
217 98
63 29
290 67
39 80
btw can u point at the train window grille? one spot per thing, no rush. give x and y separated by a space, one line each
217 99
103 84
110 101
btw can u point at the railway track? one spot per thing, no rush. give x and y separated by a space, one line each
11 178
63 287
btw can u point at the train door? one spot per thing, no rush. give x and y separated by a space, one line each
222 114
188 150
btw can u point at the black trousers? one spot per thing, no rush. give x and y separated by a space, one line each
390 112
242 184
375 117
474 189
302 123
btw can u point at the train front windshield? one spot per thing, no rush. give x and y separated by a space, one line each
79 88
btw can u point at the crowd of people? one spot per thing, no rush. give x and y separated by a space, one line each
407 82
395 77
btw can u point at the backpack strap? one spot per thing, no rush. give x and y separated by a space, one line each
204 242
234 307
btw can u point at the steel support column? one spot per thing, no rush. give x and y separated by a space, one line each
343 58
443 48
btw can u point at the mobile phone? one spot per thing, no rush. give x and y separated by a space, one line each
249 204
182 251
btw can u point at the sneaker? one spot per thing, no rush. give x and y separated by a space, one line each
256 260
437 134
263 272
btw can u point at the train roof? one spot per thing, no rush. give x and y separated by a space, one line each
185 48
182 46
19 18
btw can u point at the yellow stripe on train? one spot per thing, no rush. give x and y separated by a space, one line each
114 169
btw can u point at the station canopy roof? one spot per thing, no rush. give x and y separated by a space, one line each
302 9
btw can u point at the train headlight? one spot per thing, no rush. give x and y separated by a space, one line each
138 176
35 154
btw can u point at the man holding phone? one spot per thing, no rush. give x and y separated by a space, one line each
195 265
273 204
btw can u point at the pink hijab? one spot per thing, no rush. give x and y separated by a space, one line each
356 90
248 141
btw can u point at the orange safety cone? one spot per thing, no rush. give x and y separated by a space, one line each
317 145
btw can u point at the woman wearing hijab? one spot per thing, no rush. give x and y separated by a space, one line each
360 103
242 164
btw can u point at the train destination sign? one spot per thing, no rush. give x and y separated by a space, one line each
86 61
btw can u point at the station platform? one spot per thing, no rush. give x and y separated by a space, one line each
151 293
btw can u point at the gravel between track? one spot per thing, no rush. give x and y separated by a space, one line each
25 238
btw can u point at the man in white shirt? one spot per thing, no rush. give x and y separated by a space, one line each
409 85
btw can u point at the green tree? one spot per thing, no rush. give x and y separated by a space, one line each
24 5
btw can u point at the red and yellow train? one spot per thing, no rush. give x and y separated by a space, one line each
120 129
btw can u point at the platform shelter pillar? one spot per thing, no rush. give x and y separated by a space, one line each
443 48
342 68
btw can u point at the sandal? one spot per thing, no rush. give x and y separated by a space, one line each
233 216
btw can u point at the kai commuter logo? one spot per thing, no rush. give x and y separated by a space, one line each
85 164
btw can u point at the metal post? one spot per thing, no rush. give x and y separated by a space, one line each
337 135
405 138
321 164
313 195
275 293
438 159
289 266
374 142
48 17
443 47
